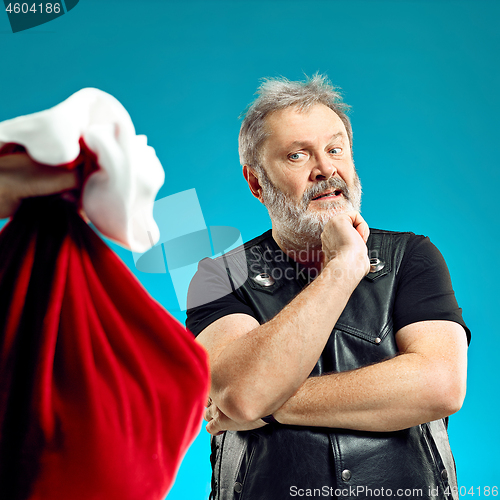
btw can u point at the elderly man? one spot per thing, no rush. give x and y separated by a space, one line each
337 352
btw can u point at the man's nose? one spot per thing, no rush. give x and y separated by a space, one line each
323 168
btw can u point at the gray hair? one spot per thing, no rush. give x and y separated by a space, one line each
279 93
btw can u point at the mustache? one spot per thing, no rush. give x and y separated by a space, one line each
332 183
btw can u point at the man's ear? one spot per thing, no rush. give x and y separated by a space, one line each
253 182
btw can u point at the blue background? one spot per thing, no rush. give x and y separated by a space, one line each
422 78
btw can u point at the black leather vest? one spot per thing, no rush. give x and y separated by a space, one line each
280 462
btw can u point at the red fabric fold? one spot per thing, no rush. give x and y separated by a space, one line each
101 389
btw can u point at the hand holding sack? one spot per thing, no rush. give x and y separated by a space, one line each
101 390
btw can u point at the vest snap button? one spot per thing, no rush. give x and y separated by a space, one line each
378 340
444 474
264 279
346 475
238 487
376 265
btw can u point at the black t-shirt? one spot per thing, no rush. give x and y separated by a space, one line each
423 291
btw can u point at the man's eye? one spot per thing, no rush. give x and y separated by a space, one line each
336 151
296 156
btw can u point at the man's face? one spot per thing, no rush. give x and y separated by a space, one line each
308 155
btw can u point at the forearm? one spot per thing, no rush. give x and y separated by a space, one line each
395 394
248 379
360 400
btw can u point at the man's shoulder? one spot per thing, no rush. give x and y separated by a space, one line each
377 236
396 247
390 233
409 239
403 237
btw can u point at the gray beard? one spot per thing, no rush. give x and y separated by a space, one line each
297 227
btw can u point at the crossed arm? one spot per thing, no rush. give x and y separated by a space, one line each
259 370
425 382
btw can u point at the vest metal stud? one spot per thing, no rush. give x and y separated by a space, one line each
346 475
264 279
376 265
378 340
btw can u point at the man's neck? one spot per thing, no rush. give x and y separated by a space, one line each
301 250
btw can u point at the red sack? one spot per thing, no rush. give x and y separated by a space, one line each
101 390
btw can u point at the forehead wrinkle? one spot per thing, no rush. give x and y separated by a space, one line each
306 143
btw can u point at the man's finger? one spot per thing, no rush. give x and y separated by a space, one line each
16 161
214 425
21 177
213 429
37 178
363 230
207 415
360 225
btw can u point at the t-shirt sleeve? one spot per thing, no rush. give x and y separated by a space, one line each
211 296
424 290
